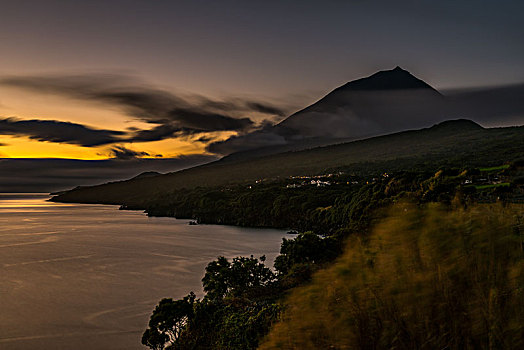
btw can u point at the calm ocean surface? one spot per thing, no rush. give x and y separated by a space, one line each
78 276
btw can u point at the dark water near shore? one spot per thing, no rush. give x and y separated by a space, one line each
76 276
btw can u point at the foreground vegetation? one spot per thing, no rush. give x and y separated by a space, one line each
421 278
427 277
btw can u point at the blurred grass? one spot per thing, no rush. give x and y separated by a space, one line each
425 278
483 187
495 168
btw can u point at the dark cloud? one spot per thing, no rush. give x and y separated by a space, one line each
265 108
3 144
158 132
120 152
173 115
203 139
194 120
243 105
78 134
47 175
340 115
245 142
57 131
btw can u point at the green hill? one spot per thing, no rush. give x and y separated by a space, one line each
459 143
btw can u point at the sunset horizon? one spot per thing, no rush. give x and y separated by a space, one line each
261 175
80 72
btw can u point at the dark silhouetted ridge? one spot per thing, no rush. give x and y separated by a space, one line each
385 102
457 143
147 174
458 125
394 79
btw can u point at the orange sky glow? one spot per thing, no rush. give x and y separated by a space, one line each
26 106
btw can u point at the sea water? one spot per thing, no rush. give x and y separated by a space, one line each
80 276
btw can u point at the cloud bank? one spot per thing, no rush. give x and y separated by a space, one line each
171 114
340 115
60 132
123 153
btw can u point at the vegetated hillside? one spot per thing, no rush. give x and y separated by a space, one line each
334 204
425 278
453 143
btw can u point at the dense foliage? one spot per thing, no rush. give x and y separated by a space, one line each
426 278
244 298
234 314
323 210
344 205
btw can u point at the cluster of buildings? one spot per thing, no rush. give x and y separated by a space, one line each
325 180
482 180
318 183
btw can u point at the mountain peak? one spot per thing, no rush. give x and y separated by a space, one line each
387 101
457 125
394 79
147 174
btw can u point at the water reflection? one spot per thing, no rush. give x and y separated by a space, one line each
25 200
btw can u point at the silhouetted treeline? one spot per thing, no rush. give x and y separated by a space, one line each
320 209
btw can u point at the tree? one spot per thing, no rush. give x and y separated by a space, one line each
223 278
306 248
154 339
168 320
216 279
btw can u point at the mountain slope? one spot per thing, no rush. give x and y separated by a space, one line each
455 143
384 102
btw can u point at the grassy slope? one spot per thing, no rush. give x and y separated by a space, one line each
461 144
424 279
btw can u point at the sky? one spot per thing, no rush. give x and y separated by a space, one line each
94 80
